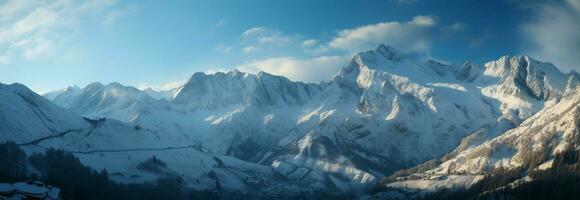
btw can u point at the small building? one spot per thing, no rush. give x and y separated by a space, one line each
28 190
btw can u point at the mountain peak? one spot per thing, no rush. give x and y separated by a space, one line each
56 95
386 48
572 83
115 85
73 87
212 91
540 80
17 88
94 86
469 71
389 52
235 72
383 55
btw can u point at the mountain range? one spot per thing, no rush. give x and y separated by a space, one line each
386 119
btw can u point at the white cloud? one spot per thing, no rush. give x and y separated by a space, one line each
216 70
480 39
115 15
274 39
262 38
33 29
311 60
38 20
267 36
554 34
309 43
455 27
423 20
36 47
256 42
11 9
414 35
4 59
575 4
307 70
249 49
254 31
163 87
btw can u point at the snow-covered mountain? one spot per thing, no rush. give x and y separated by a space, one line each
166 91
36 124
531 145
209 92
64 96
340 135
161 94
25 116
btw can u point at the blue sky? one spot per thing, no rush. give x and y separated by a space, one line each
49 45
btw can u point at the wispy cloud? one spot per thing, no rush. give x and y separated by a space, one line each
265 39
11 9
34 47
249 49
327 58
480 39
309 43
115 15
4 60
163 87
307 70
455 27
262 38
33 29
416 34
554 33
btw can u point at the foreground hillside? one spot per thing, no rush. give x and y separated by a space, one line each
535 147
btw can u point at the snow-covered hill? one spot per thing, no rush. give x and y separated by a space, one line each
36 124
25 116
531 145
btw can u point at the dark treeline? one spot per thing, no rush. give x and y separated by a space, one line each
561 181
76 181
12 163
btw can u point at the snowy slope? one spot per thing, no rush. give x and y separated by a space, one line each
129 105
65 96
204 91
161 94
166 91
25 116
347 133
551 130
97 100
36 124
